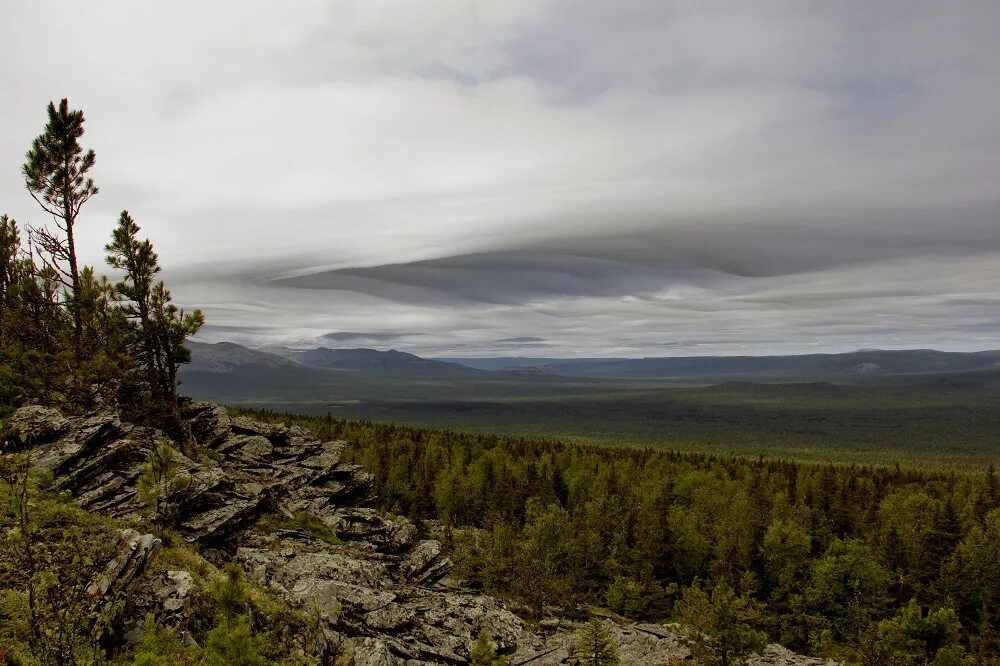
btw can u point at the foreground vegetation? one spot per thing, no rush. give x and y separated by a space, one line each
75 340
873 564
52 554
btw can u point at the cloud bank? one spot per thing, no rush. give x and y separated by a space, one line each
584 177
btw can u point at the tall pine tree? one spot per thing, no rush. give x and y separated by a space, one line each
55 172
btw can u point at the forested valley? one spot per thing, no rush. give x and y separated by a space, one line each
873 564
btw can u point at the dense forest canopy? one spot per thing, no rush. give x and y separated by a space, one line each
874 564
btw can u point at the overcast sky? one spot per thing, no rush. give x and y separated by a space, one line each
541 178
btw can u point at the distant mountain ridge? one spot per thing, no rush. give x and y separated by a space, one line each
228 371
802 367
370 360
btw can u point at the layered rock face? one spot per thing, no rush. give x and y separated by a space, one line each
378 583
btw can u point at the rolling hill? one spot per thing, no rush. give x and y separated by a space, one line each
850 366
868 406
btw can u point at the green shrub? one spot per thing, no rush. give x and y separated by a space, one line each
161 646
304 521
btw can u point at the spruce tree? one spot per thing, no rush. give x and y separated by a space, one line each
55 172
595 646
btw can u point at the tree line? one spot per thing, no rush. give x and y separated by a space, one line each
68 336
872 564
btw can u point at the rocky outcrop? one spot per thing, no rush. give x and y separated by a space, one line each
641 643
378 585
127 568
377 582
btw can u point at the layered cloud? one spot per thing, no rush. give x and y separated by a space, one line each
580 176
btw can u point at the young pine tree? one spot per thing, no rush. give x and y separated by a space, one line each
173 327
595 646
231 642
160 482
724 622
55 172
484 654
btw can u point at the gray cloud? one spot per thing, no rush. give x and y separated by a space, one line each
523 339
612 178
345 336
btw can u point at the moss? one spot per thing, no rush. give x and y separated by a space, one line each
184 558
211 454
304 521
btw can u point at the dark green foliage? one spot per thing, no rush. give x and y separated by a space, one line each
816 556
160 482
723 622
50 555
847 591
913 637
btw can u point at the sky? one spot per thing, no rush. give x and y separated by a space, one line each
538 178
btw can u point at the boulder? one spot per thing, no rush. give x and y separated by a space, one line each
373 652
125 570
172 593
37 424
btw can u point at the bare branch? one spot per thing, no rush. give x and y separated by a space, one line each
44 206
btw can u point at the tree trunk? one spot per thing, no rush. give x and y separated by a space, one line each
74 304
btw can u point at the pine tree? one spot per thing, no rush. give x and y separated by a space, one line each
725 623
140 264
595 646
483 653
173 328
10 244
56 176
231 642
160 481
160 328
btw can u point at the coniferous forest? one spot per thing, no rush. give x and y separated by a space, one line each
875 565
